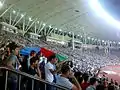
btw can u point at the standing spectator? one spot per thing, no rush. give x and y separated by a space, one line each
50 70
12 62
32 54
35 71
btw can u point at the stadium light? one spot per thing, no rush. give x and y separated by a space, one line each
44 24
92 39
22 15
55 28
96 6
50 26
118 42
103 41
30 19
38 22
88 37
114 42
14 11
1 4
60 30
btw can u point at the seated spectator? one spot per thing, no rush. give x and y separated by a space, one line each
64 81
93 82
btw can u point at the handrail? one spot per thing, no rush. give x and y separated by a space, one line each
32 77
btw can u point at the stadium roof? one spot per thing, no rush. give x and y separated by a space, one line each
68 15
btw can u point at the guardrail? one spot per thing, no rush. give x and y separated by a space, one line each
32 78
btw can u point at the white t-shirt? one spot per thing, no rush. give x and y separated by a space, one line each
48 75
43 59
62 81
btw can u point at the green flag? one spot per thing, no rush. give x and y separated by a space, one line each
61 57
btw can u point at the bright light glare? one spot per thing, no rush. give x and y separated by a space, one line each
44 24
55 28
38 21
103 41
88 37
50 26
14 11
1 4
92 38
22 15
60 30
30 19
95 5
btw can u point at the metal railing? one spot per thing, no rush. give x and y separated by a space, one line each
5 74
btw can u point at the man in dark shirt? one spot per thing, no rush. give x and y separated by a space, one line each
35 71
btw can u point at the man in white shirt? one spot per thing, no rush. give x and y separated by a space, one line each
50 69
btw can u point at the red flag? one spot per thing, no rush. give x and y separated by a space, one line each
47 53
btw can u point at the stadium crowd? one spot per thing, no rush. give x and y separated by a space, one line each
78 73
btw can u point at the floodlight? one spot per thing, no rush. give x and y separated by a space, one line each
1 4
14 11
50 26
38 22
22 15
60 30
103 41
88 37
44 24
114 42
30 19
92 39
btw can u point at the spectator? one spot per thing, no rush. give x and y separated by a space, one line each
50 71
85 84
64 81
32 54
93 82
35 71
